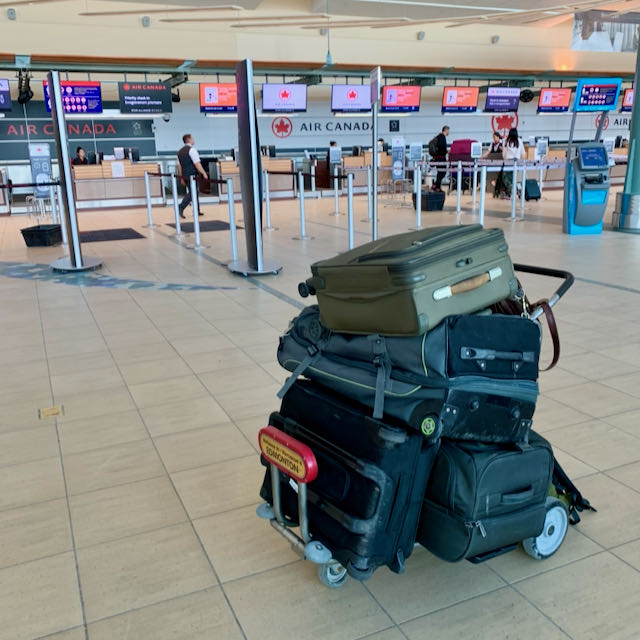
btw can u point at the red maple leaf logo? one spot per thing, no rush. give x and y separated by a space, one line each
127 87
502 123
281 127
352 95
285 94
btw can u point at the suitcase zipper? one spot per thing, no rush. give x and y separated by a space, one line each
477 524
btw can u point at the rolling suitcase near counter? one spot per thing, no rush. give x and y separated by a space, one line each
365 502
407 283
531 189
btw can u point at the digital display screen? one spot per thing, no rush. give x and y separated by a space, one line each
597 94
219 97
460 99
5 95
400 98
350 98
554 100
502 99
284 97
77 96
144 97
593 157
627 101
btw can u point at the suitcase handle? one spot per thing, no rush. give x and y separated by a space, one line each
567 278
517 498
470 284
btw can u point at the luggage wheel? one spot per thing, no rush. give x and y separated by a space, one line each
332 574
556 523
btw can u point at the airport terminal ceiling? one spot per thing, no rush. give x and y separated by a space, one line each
326 35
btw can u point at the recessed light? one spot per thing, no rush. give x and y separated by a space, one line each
420 35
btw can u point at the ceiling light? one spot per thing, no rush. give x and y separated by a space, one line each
420 35
11 13
146 21
495 39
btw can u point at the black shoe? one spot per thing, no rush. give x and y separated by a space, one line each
200 214
183 216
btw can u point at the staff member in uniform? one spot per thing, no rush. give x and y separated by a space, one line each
440 156
80 158
188 165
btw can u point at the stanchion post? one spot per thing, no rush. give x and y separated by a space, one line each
54 208
350 208
147 191
483 193
459 188
303 225
514 188
522 188
369 193
336 195
63 225
475 183
232 219
196 209
417 175
540 176
267 199
176 206
313 177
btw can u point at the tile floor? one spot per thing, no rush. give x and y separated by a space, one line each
132 515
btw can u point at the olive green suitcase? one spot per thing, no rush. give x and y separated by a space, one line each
407 283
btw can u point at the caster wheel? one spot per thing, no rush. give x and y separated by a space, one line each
332 574
556 523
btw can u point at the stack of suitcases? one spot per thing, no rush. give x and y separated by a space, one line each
417 401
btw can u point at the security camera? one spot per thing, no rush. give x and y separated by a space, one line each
166 117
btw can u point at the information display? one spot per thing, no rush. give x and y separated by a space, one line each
502 99
5 95
593 157
597 94
627 100
400 98
221 97
284 97
144 97
460 99
554 100
78 96
350 98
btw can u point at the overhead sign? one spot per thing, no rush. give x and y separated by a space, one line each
144 97
5 95
284 97
597 94
220 97
460 99
554 100
627 101
502 99
400 98
40 160
350 98
78 96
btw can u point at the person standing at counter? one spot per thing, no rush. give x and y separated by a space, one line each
80 158
439 154
188 165
512 151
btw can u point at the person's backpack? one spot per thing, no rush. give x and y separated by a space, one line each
433 146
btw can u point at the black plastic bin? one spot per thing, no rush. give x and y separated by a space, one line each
42 235
431 200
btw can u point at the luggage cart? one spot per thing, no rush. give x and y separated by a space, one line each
286 455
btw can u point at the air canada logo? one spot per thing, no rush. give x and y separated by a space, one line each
281 127
503 122
284 94
352 95
605 125
126 86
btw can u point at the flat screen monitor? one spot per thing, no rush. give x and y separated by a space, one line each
133 153
597 94
400 98
284 97
5 95
500 99
220 97
627 100
554 100
78 96
593 157
350 98
460 99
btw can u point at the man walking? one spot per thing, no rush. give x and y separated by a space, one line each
438 151
188 165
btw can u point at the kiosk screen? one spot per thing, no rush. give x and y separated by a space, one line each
597 95
593 158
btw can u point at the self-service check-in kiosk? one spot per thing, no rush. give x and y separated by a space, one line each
589 189
586 187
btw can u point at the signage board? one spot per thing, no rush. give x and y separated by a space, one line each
460 99
502 99
397 158
284 97
40 161
399 98
597 94
627 101
78 96
144 98
350 98
220 97
554 100
5 95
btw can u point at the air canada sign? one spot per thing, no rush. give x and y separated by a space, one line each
283 127
14 130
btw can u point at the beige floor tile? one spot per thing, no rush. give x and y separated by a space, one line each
220 487
142 570
125 510
10 355
595 399
250 428
87 380
91 404
502 614
597 444
111 466
628 383
629 422
628 353
25 445
190 449
218 360
140 372
69 347
101 431
618 518
241 405
31 482
161 392
64 365
388 634
291 598
630 553
183 416
22 413
628 474
233 379
240 544
573 467
39 598
558 378
200 616
72 634
33 532
551 414
596 366
445 583
602 601
143 352
191 345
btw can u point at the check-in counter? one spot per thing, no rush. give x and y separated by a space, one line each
4 194
117 183
359 175
226 169
384 166
279 183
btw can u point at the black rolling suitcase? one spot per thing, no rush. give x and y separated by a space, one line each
431 200
483 499
365 503
531 189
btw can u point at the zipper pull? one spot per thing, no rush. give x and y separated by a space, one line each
477 524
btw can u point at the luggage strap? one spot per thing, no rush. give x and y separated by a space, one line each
313 354
383 371
564 486
553 331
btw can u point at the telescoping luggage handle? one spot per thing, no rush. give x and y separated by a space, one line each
567 278
297 461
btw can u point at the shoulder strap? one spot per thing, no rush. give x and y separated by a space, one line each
564 486
553 330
